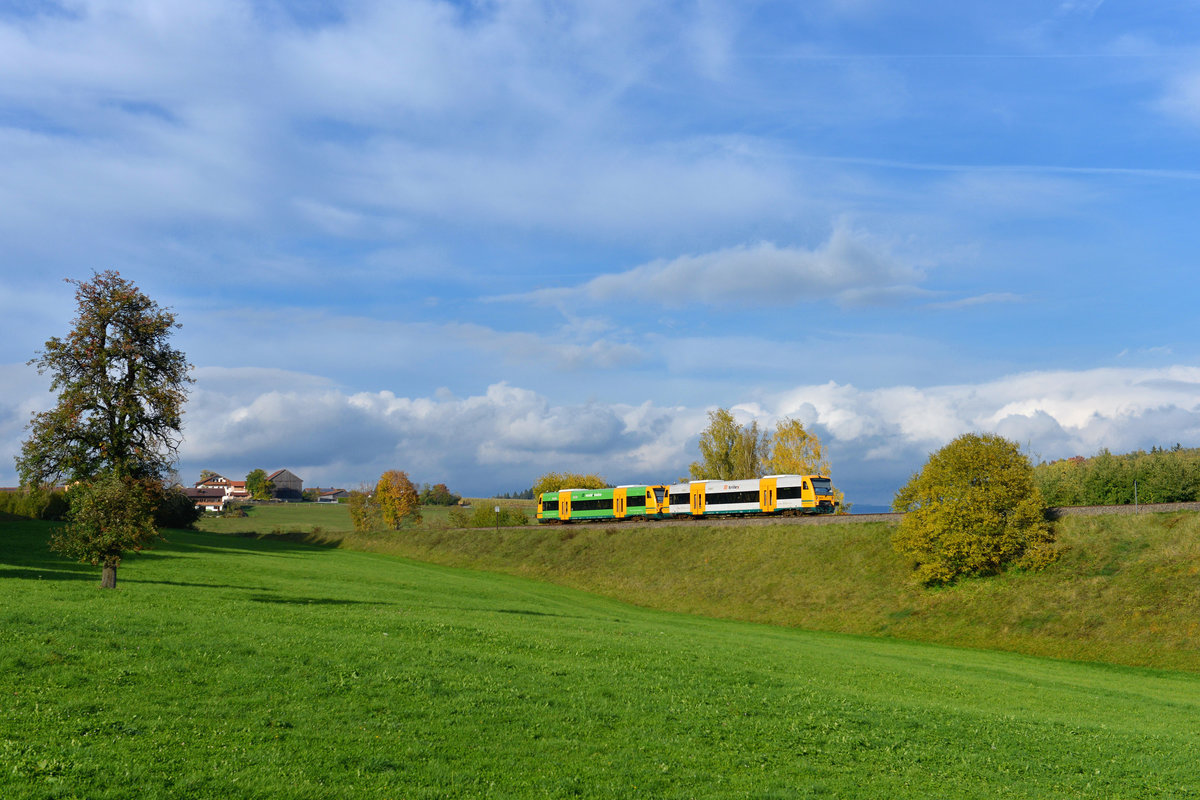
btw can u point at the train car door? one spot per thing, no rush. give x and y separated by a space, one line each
767 495
564 506
619 503
696 490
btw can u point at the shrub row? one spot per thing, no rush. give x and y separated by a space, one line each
173 509
483 516
34 504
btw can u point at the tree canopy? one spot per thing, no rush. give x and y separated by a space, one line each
732 451
972 510
438 495
391 503
554 481
109 515
258 486
397 499
121 389
795 451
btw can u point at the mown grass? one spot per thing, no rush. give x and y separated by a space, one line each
1125 590
233 667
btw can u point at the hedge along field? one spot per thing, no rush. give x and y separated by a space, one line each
233 667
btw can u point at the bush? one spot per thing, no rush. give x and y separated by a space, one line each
483 516
35 504
972 510
174 509
235 511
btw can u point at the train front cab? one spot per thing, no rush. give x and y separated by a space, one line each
800 494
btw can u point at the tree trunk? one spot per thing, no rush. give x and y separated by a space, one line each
108 579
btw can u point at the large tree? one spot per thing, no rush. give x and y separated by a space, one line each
115 430
729 450
121 389
795 451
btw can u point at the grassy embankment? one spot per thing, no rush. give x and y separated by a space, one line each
1126 590
277 518
238 667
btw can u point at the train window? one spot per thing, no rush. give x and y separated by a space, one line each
729 498
592 505
550 505
822 486
788 493
679 499
659 493
635 501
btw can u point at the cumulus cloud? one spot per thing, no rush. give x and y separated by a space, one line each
506 436
850 268
876 438
499 440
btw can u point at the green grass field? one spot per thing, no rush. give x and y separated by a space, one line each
237 667
1125 590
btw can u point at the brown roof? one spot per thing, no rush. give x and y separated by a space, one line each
204 494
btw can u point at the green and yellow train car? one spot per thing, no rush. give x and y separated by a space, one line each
621 502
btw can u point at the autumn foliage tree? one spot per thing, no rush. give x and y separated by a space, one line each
972 510
397 499
732 451
116 425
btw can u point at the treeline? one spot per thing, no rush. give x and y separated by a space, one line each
34 504
1161 476
171 508
525 495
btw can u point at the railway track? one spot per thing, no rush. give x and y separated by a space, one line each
841 519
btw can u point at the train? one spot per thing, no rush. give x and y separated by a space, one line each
770 495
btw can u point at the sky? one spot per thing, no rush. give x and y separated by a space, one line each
481 241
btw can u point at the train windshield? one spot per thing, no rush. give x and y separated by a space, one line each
660 494
822 486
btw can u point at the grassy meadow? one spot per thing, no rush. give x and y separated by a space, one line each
1126 589
241 667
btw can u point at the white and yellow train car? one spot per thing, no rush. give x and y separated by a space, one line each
774 494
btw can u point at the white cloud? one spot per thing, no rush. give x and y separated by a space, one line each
1182 97
502 439
850 268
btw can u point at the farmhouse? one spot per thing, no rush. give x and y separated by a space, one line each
331 495
207 498
234 490
288 486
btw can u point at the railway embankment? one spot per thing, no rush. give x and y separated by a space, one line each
1125 589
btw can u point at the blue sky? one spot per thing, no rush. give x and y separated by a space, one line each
479 241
